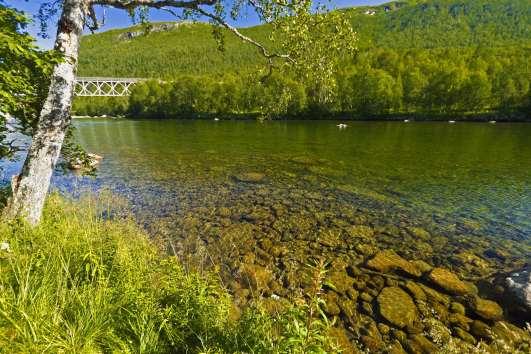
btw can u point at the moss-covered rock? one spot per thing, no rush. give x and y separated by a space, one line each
372 344
422 266
387 261
457 307
397 307
486 309
509 333
340 281
434 296
481 330
459 320
396 348
448 281
464 335
340 336
419 233
367 309
255 277
331 300
419 344
415 291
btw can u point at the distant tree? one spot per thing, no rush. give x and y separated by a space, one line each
307 39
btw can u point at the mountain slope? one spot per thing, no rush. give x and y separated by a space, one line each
190 49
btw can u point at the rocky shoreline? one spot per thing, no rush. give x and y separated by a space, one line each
392 285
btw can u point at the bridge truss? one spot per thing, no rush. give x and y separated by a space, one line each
104 86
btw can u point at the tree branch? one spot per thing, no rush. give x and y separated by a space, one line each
95 25
243 37
157 4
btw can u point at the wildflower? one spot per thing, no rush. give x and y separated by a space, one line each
4 246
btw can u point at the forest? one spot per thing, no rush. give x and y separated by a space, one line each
473 83
428 59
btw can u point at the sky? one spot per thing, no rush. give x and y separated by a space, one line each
119 18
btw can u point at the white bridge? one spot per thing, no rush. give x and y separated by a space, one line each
104 86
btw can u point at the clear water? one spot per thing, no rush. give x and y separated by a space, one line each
468 184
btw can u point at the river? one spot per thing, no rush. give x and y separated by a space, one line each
266 198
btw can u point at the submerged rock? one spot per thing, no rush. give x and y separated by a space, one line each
420 344
397 307
487 309
361 231
419 233
416 291
519 286
250 177
448 281
388 260
340 281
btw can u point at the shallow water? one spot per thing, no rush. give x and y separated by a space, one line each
477 171
261 200
443 177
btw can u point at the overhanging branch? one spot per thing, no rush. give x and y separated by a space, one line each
268 55
157 4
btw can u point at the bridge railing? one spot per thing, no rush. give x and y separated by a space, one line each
104 86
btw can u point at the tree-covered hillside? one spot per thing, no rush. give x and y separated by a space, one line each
431 59
189 48
444 23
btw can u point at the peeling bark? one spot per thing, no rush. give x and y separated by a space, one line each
31 186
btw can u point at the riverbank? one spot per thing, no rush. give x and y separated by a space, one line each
87 279
102 277
494 117
256 203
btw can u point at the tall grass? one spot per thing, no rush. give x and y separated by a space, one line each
79 283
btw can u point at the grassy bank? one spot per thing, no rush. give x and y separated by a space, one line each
81 283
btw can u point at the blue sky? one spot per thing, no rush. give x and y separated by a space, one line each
118 18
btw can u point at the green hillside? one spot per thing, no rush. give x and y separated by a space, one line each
189 48
434 59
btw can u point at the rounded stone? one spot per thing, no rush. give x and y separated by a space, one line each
397 307
448 281
250 177
487 309
456 307
388 260
464 335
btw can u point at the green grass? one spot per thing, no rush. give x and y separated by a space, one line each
79 283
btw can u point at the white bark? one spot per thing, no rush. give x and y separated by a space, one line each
31 186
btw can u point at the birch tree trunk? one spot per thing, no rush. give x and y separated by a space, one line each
31 186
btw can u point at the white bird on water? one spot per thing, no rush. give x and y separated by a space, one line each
492 121
216 119
406 120
451 121
342 125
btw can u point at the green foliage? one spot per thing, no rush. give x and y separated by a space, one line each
190 49
443 23
228 95
79 283
98 106
434 58
24 73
